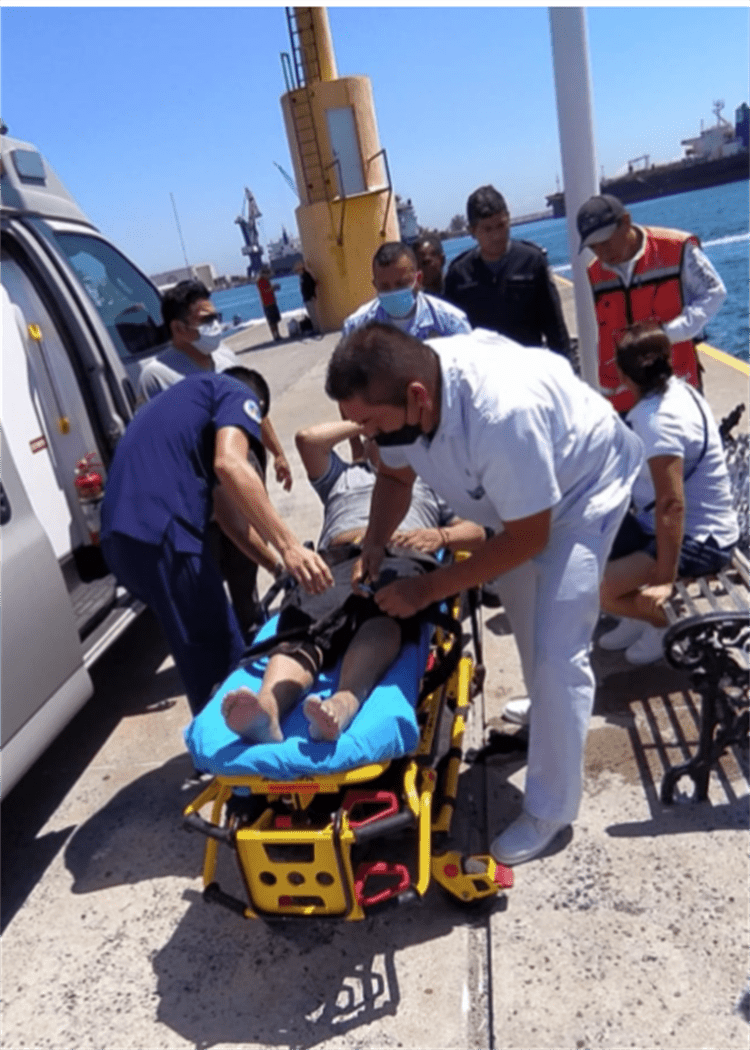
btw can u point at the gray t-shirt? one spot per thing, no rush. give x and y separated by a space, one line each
346 489
172 366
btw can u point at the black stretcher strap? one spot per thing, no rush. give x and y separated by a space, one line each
432 614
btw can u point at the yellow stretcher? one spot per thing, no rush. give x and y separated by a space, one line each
334 845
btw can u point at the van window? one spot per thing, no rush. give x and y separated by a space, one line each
129 305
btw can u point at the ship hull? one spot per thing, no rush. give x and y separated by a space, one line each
667 179
282 265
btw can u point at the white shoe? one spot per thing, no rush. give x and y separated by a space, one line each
649 648
524 839
517 711
620 637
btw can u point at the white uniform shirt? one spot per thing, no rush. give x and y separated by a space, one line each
519 434
671 424
172 366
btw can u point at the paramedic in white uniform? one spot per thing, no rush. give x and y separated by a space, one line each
512 440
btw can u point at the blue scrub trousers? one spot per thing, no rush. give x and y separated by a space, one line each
186 593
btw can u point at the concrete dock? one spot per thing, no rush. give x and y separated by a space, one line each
631 931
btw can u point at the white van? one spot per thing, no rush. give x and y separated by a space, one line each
79 322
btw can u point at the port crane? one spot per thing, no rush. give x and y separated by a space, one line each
248 223
289 180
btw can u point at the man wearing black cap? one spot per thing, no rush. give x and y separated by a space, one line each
643 273
505 285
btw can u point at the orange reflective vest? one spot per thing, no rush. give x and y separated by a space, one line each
654 293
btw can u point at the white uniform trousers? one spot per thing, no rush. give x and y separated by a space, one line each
552 603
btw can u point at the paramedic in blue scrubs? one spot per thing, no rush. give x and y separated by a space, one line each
517 443
182 460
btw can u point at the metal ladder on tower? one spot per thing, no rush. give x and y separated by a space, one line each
305 57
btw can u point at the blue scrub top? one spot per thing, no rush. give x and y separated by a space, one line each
161 480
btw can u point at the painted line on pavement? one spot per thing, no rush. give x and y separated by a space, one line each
724 358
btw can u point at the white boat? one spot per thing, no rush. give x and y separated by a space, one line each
284 254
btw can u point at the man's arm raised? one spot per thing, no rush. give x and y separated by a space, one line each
315 444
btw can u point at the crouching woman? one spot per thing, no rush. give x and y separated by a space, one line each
682 522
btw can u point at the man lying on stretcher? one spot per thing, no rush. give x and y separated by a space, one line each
367 640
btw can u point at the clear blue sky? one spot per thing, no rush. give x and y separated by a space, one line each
132 104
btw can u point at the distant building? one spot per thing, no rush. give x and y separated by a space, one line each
204 272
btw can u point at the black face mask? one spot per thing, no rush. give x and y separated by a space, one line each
405 435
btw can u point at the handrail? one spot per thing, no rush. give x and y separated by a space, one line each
343 196
286 69
382 152
291 21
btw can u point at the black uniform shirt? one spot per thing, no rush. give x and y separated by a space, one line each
520 300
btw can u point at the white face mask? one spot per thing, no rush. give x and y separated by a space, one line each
210 337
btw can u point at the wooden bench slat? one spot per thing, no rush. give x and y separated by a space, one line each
682 593
741 565
704 586
736 590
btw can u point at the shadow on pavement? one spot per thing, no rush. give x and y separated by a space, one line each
222 980
225 980
138 835
119 693
652 720
653 725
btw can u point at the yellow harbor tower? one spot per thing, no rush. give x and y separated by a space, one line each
347 206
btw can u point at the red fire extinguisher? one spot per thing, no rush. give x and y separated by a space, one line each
89 487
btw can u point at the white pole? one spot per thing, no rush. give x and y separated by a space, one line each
179 230
570 56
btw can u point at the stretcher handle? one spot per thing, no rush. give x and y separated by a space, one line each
386 826
353 797
195 822
380 867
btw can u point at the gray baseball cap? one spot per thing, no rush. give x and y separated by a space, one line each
597 219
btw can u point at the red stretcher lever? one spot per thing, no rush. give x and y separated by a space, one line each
386 799
380 867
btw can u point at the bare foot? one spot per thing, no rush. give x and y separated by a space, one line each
245 715
329 718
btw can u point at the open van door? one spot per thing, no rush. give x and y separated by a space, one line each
54 624
78 322
42 676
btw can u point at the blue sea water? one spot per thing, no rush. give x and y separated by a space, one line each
718 215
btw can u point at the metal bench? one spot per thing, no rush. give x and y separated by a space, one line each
709 636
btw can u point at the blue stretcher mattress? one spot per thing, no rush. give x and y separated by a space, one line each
385 726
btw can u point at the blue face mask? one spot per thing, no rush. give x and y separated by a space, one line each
398 304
